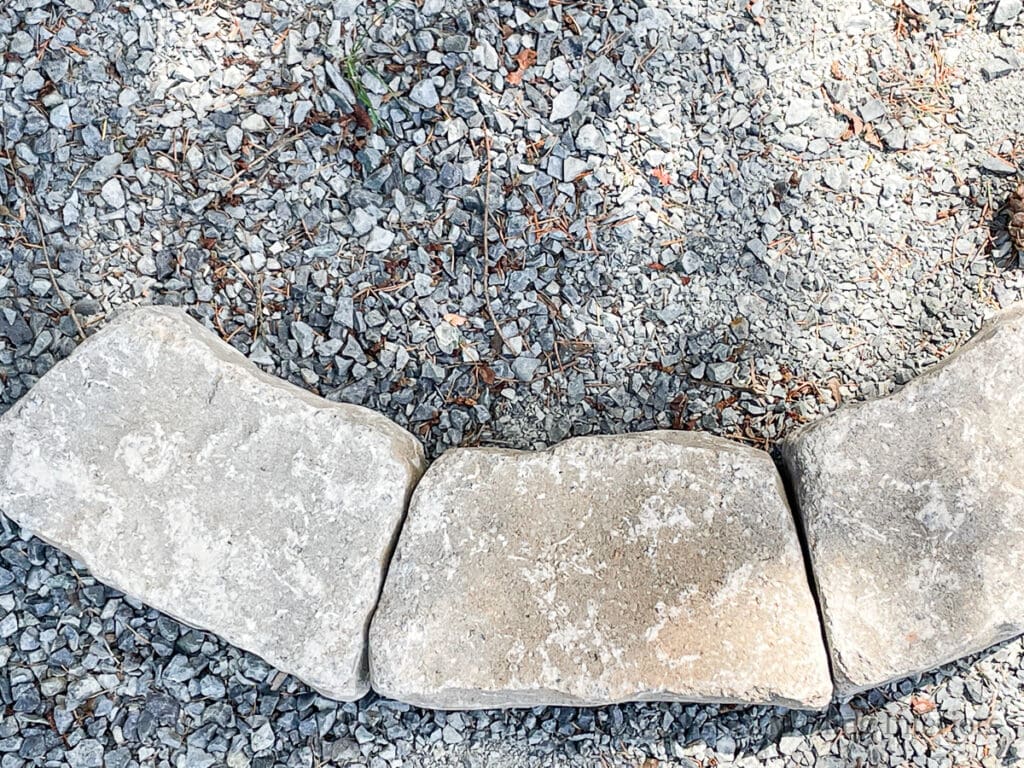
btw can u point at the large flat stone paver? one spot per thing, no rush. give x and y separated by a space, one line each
654 566
181 474
914 512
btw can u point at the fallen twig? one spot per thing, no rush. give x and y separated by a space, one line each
486 256
45 248
50 271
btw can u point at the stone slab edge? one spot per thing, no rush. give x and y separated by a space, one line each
402 439
815 701
844 687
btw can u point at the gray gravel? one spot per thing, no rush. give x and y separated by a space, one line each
704 215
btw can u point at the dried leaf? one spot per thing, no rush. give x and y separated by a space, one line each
278 44
833 386
856 124
921 705
487 374
363 119
839 109
759 20
663 176
871 136
453 319
526 58
656 266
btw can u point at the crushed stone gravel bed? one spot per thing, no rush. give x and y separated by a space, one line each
717 215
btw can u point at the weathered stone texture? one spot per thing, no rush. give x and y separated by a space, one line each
181 474
914 511
657 566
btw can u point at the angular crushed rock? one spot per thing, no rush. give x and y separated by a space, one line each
914 511
655 566
181 474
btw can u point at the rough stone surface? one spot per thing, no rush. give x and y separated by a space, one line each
181 474
655 566
914 511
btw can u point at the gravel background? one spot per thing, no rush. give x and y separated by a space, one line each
707 215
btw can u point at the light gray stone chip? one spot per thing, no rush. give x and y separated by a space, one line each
914 511
656 566
178 472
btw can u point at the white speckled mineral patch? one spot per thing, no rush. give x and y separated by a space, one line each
656 566
181 474
914 512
